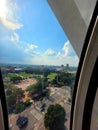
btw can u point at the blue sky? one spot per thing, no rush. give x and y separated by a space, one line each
31 34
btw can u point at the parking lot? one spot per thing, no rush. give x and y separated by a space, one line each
37 115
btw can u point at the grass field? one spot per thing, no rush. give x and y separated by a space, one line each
25 75
11 75
52 76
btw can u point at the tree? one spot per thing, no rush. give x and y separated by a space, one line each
64 78
15 78
55 117
11 100
13 96
48 92
35 89
19 108
19 93
44 82
46 73
27 103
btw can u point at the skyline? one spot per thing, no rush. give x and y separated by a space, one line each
31 34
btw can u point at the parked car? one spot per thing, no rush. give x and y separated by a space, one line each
22 121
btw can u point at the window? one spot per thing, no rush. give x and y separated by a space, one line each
38 63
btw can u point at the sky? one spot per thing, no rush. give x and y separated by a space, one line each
31 34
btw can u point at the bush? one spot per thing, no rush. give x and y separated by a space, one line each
27 103
19 108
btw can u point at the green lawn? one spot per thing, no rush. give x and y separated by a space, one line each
52 76
37 75
11 75
25 75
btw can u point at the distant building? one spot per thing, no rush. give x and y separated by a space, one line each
67 66
17 70
62 66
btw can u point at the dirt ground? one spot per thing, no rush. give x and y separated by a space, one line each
24 84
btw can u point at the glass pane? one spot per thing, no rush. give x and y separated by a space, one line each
38 66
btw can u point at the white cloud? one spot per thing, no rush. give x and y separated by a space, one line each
7 18
76 58
66 48
27 48
50 52
10 24
14 37
43 60
30 48
59 55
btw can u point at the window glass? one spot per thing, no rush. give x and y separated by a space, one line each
38 66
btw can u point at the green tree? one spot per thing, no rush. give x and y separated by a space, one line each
55 117
19 93
14 78
27 103
35 89
11 100
44 82
64 78
46 73
48 92
13 96
19 108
